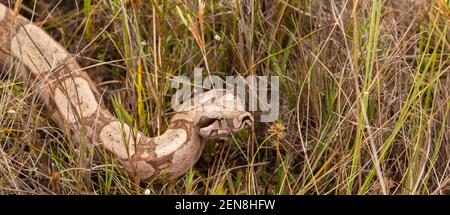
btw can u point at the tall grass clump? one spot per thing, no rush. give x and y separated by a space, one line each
365 95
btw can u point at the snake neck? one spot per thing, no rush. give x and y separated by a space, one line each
169 155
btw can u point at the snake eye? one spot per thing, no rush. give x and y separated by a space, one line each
246 121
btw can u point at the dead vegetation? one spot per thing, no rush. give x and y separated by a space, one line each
364 84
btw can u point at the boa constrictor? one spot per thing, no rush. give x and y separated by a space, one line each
73 101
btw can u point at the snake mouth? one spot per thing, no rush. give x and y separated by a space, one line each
219 128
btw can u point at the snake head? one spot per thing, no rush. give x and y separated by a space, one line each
217 113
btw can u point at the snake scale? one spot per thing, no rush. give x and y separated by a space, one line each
73 101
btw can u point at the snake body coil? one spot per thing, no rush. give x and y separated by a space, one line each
73 101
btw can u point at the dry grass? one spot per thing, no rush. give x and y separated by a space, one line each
365 95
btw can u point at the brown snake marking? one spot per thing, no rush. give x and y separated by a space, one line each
73 99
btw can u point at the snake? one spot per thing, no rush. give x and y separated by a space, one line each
74 102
